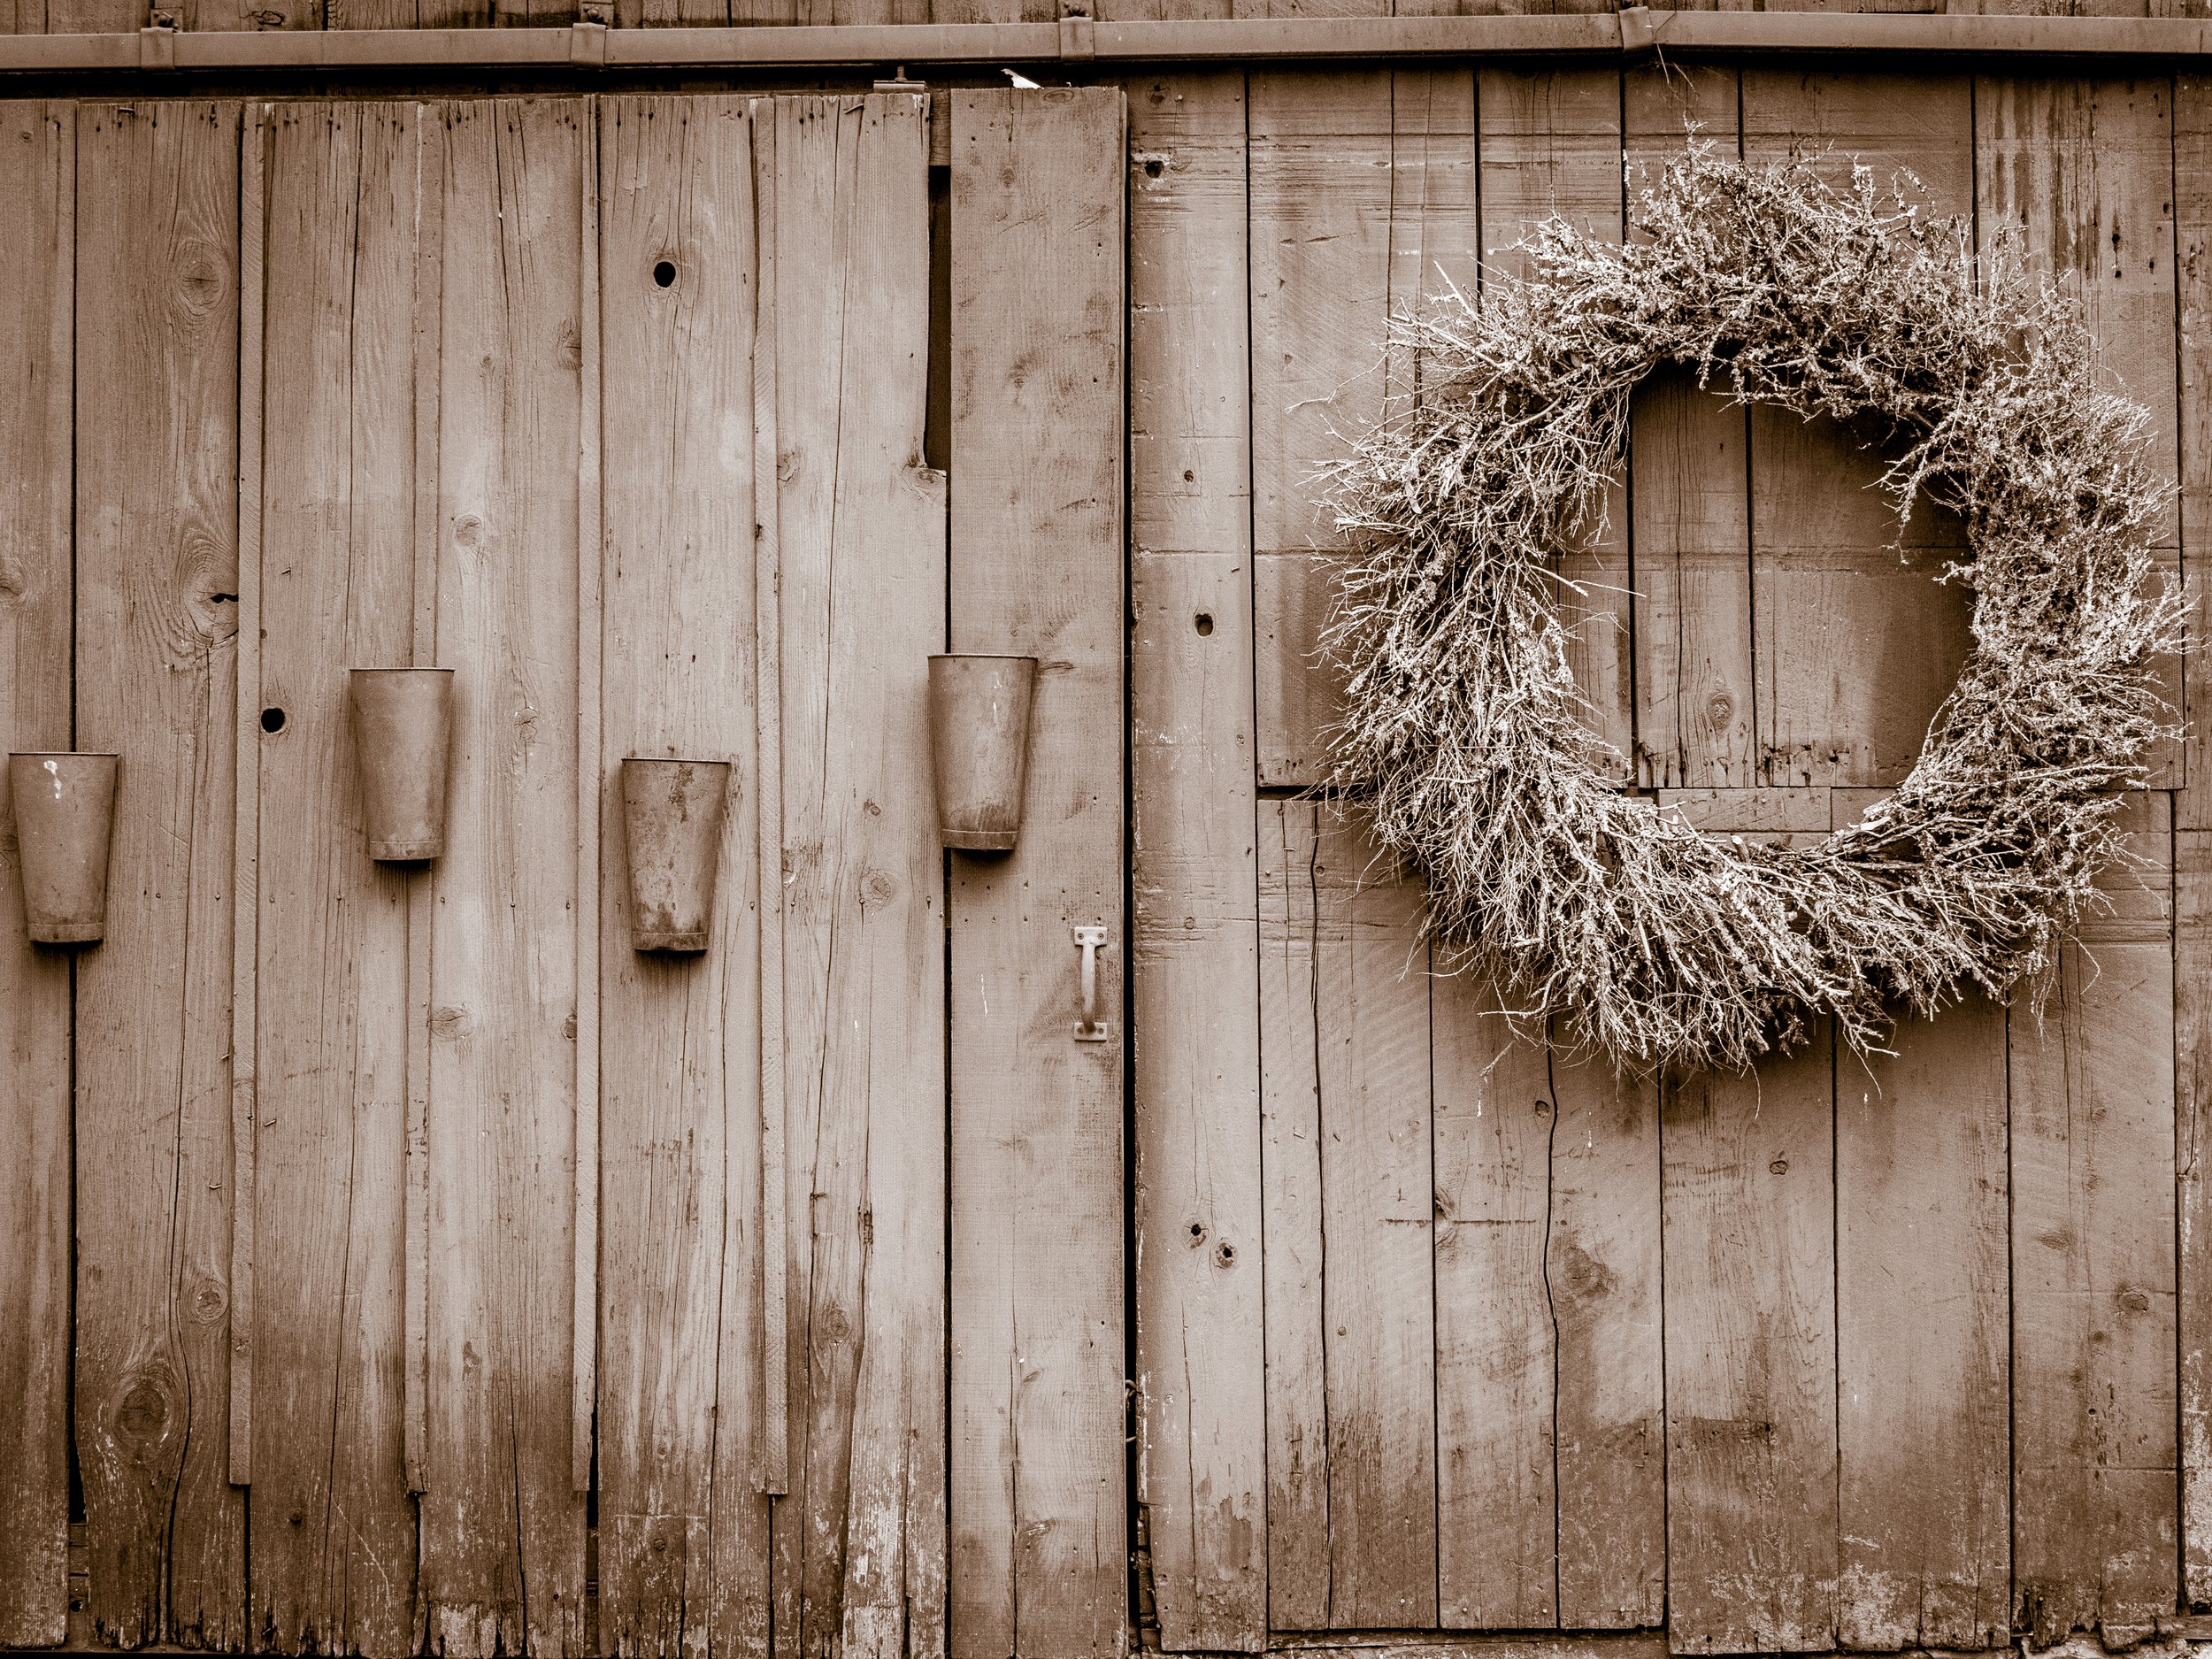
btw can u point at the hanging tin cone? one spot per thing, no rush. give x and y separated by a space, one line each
403 735
672 820
65 819
978 740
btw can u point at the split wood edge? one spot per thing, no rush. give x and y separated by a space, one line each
775 1456
429 291
589 541
246 848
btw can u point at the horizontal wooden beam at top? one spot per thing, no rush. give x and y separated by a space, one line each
590 47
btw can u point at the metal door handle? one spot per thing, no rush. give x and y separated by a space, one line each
1090 1028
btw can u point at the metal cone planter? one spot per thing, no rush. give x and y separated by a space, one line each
402 737
672 820
65 822
979 741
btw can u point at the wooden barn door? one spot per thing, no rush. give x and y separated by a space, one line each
419 1222
1437 1330
616 408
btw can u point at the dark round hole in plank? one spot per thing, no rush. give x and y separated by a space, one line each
1205 624
664 273
272 720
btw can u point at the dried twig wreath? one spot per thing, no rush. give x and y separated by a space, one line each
1463 736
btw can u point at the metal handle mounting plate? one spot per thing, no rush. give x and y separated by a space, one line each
1090 1028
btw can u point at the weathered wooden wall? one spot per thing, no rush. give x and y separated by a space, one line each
434 1253
586 397
1835 1355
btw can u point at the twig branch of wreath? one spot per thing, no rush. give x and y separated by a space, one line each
1617 927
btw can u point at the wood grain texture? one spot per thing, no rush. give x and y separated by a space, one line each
426 538
1195 989
1345 1094
1320 227
2192 1108
860 1543
2083 170
1362 200
679 1046
1497 1361
333 1530
590 891
1038 1554
1689 525
156 574
2093 1339
1856 645
1749 1201
774 1473
38 268
1923 1314
502 1531
1609 1406
253 239
2193 342
1550 147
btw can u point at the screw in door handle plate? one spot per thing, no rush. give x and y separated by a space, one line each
1090 1028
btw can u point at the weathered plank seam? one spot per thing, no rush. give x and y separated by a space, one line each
589 538
245 850
421 886
774 1472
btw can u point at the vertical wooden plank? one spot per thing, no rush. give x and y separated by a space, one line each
2192 813
2086 170
1298 1580
1038 316
1855 644
863 1535
157 576
1551 147
1344 1070
246 803
333 1530
429 275
1923 1307
681 1048
2095 1486
1921 1291
1320 225
37 268
503 1529
2193 1107
1362 200
2192 803
774 1473
1496 1336
1611 1404
591 895
1194 994
1749 1203
1690 531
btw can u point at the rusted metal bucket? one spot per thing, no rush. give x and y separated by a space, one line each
979 741
65 819
671 822
403 734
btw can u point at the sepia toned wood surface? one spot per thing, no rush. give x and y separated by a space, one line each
619 407
38 263
1039 1546
1852 1314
